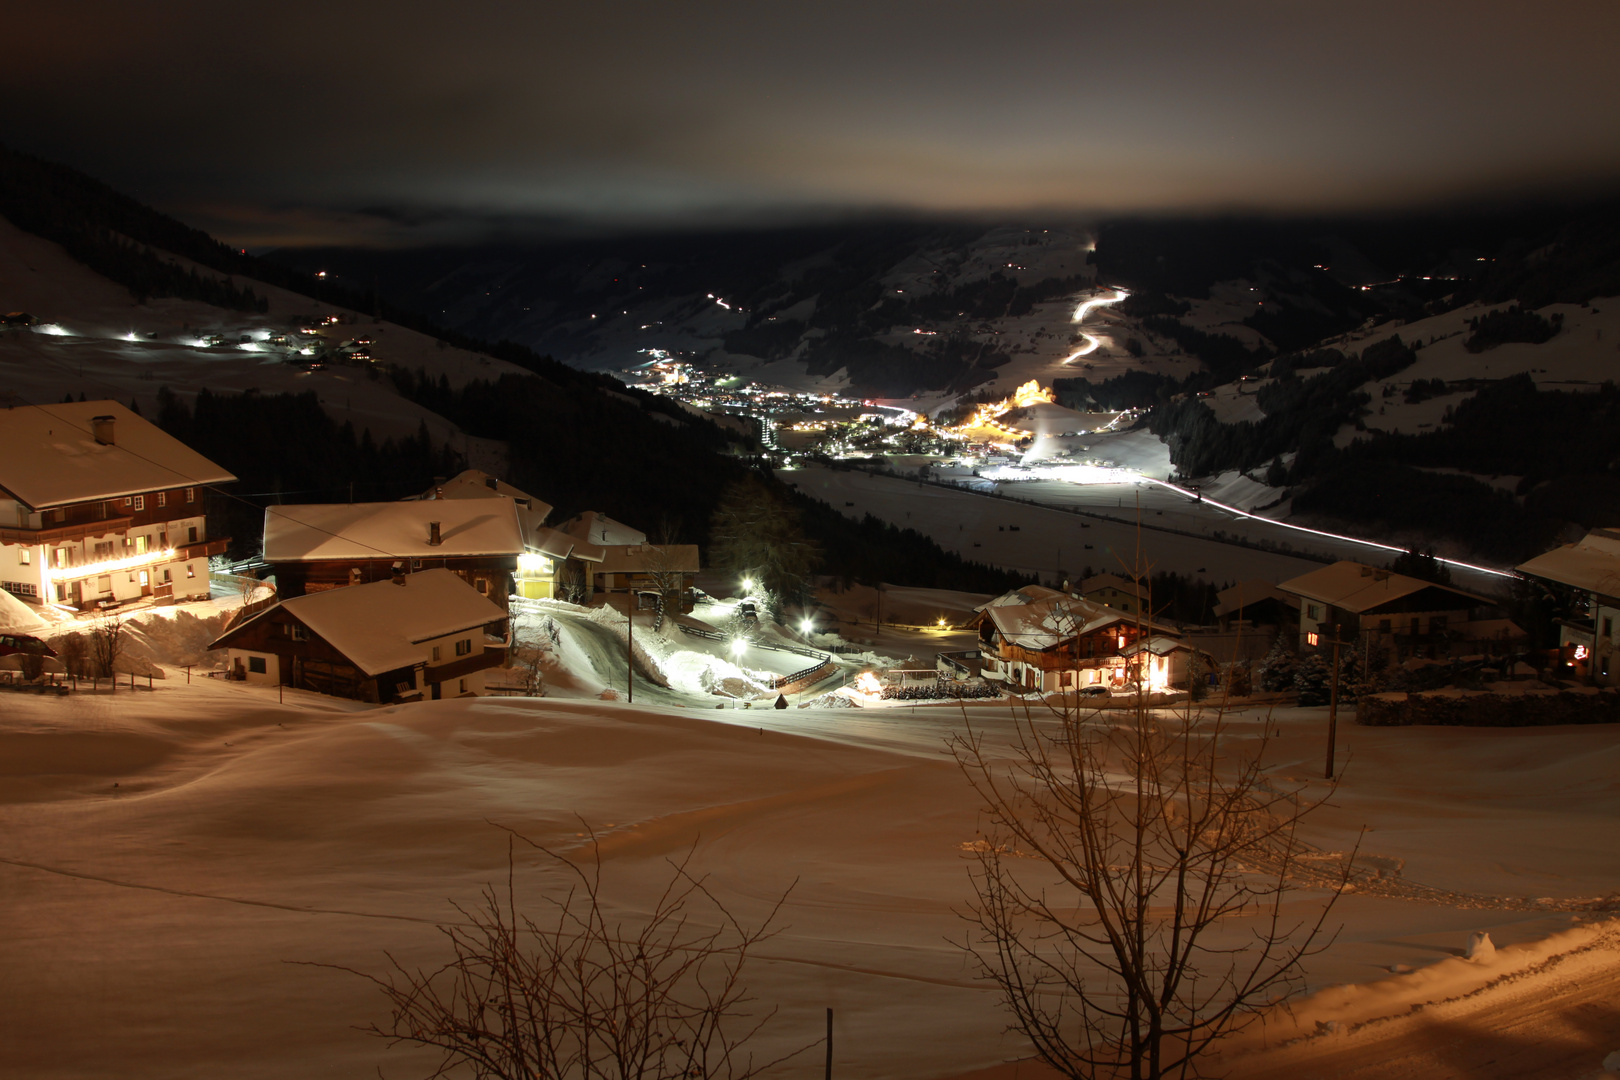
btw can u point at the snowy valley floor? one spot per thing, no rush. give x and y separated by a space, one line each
164 855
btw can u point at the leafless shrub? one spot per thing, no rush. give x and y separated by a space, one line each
33 665
74 652
577 995
106 642
1117 852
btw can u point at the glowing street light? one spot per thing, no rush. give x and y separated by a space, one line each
738 646
805 626
748 584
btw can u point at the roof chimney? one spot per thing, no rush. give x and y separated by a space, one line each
102 426
438 493
433 534
492 483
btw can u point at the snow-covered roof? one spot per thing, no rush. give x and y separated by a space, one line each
1027 594
49 455
1356 587
1159 645
1050 621
477 484
595 527
17 617
559 545
1592 563
1246 594
380 625
308 532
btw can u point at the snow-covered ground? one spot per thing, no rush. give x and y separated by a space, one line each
1047 540
168 853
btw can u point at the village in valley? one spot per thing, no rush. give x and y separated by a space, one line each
322 623
467 589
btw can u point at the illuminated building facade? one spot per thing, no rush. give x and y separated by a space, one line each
1591 567
98 507
1039 639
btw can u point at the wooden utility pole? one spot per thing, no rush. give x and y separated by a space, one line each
1333 704
630 650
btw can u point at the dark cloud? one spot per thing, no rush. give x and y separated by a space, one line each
274 122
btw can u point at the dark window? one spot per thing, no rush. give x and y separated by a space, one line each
191 534
1608 627
256 665
298 633
1384 626
464 647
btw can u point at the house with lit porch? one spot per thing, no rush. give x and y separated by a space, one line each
1040 639
1377 610
100 507
1591 568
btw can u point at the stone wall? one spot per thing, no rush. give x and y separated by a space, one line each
1483 708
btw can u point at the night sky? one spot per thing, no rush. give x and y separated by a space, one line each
408 122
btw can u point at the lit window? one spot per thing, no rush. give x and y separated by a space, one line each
191 571
1313 639
140 545
464 647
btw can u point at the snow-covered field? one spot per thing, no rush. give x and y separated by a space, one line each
167 854
1046 539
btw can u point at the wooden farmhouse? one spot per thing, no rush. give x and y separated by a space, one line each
595 557
1404 617
408 637
314 547
1037 638
99 507
1590 567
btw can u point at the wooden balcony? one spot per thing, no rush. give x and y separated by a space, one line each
56 534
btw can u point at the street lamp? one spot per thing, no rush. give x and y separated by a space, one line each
738 645
748 584
805 626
